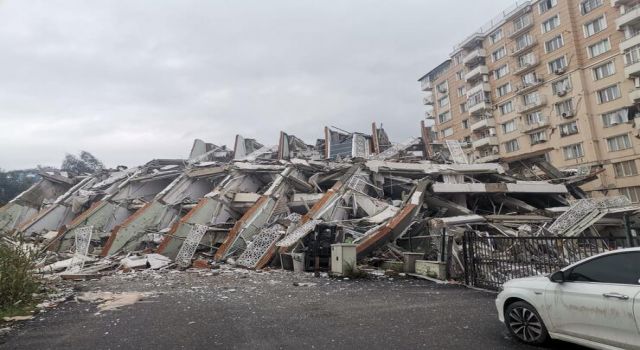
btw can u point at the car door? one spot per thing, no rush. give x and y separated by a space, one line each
596 301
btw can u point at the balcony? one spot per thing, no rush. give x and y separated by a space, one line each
516 50
526 67
479 108
536 126
483 124
428 100
476 73
630 42
485 142
527 87
629 18
425 85
539 102
428 114
634 95
632 69
490 158
477 88
523 28
474 57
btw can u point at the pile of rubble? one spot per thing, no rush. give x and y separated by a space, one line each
285 205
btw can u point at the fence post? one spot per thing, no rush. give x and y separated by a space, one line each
465 257
627 229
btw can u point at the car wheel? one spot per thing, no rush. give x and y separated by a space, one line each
524 323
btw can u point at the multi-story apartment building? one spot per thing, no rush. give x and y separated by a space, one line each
552 78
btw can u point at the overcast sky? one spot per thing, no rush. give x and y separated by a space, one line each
130 81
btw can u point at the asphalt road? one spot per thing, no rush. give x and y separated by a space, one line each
237 310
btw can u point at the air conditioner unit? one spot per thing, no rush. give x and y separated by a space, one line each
561 93
560 71
492 132
567 114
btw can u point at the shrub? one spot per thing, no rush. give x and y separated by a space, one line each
18 282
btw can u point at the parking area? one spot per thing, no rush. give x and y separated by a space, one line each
237 309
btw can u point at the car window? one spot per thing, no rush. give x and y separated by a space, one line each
623 268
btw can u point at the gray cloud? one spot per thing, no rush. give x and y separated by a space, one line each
134 80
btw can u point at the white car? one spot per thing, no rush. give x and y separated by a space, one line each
594 302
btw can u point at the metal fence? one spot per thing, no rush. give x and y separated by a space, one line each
489 261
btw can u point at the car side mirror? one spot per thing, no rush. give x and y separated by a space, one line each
557 277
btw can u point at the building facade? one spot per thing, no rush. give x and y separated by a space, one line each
552 78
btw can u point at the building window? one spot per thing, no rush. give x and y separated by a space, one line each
633 193
526 60
443 102
530 79
609 93
626 168
616 117
511 146
509 126
521 22
535 118
498 54
460 74
564 107
463 107
618 143
501 71
503 89
546 5
444 117
573 151
568 128
476 98
599 48
523 41
554 44
604 70
550 24
506 107
442 87
496 36
632 55
461 91
538 137
596 26
465 124
531 98
447 132
561 86
558 65
587 6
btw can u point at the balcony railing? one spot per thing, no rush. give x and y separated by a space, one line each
530 86
528 23
483 124
518 49
474 56
539 102
476 73
485 142
542 123
428 100
526 66
631 16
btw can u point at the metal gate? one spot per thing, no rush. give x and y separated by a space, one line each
489 261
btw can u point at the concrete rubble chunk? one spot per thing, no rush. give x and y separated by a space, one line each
258 206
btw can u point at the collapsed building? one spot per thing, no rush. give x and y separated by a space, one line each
258 206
